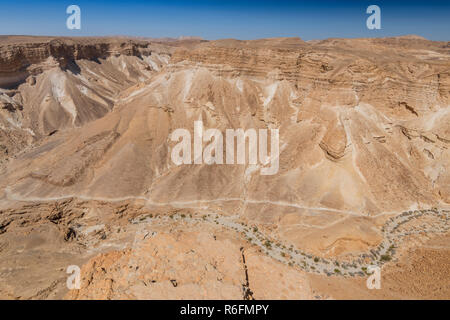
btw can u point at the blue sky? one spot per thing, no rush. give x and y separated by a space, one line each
215 19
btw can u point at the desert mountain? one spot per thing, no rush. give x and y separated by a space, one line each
85 146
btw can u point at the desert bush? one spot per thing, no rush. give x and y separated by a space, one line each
385 257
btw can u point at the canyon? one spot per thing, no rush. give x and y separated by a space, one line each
87 179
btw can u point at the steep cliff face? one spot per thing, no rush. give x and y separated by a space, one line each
398 76
19 60
364 136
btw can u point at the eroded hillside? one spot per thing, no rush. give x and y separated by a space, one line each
87 176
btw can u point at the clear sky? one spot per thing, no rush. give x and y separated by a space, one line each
216 19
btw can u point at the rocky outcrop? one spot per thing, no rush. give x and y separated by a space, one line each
20 60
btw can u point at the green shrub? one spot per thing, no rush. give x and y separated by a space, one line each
385 257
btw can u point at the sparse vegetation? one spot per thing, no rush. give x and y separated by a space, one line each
291 254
